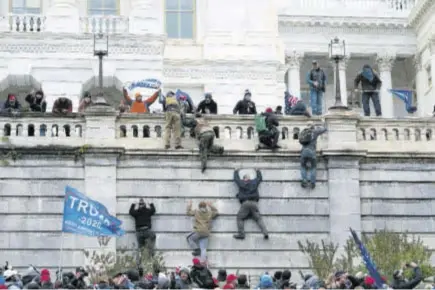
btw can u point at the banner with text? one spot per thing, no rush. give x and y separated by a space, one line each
84 216
145 87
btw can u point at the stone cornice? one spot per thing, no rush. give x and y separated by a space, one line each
344 23
422 8
79 43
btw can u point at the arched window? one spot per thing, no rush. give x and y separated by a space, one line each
103 7
180 18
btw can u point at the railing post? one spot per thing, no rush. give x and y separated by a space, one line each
100 127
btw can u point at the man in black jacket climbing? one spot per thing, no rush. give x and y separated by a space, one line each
142 216
268 133
248 196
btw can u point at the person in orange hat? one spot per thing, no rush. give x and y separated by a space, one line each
138 105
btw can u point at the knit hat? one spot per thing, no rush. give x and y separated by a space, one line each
196 261
11 97
269 110
369 281
247 93
45 276
231 278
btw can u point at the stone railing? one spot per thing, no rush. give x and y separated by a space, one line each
26 23
145 132
104 24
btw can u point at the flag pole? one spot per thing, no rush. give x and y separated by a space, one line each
61 257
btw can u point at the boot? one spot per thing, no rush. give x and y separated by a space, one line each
304 184
239 236
312 185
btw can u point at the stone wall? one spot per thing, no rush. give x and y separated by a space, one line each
369 178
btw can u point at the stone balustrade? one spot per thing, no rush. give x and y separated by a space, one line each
233 132
104 24
26 22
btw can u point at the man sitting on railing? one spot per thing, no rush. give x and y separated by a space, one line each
12 105
370 84
62 106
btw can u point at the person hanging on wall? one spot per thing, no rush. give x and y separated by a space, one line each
205 135
248 196
308 140
370 85
142 216
316 79
203 216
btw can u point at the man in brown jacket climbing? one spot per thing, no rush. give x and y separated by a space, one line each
203 216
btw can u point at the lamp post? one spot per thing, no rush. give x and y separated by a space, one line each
337 52
101 49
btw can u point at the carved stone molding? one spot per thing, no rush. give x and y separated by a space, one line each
385 61
294 59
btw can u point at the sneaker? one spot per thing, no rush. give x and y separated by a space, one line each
179 147
239 236
304 184
167 146
313 185
266 237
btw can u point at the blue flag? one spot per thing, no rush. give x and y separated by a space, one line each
406 97
370 265
84 216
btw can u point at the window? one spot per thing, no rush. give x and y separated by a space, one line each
180 18
25 6
103 7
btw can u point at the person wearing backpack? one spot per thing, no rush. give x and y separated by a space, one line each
201 275
266 126
316 79
308 140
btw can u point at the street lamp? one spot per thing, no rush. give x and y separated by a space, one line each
337 52
101 49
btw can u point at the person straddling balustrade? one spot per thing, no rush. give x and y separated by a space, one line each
297 107
370 85
142 216
208 105
12 105
85 102
308 140
205 136
245 106
316 79
173 124
62 106
36 101
268 134
138 105
248 196
203 217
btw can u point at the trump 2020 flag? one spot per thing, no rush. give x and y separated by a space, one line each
370 265
84 216
406 97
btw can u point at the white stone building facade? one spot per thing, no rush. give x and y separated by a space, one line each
218 46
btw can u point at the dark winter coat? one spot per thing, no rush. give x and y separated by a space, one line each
142 215
248 190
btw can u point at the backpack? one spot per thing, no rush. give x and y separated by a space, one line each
305 136
260 123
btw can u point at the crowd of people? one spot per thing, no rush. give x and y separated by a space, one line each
198 276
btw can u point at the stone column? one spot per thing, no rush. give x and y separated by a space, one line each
293 61
385 64
342 66
343 158
63 16
100 165
432 65
146 17
422 109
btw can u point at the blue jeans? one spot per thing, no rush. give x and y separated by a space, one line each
366 96
197 241
316 100
308 166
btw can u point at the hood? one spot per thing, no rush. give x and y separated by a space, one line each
266 281
222 275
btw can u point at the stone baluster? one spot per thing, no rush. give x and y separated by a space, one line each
385 62
294 60
24 130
